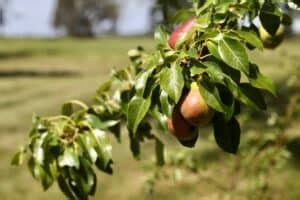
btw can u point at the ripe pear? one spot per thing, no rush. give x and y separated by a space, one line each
180 128
194 109
180 31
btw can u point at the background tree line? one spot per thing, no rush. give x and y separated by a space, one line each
78 16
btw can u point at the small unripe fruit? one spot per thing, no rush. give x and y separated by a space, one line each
181 129
194 109
180 31
269 41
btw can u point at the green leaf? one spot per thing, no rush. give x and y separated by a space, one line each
205 20
234 54
50 165
161 36
141 81
287 20
260 81
252 96
216 73
134 53
86 144
78 184
94 121
52 139
165 104
39 173
83 180
170 56
18 158
104 150
33 168
234 74
227 88
89 176
193 51
270 17
223 6
150 87
105 168
244 92
37 149
47 180
36 124
160 118
195 70
227 100
220 18
69 158
116 130
65 187
137 110
126 96
159 152
134 146
104 87
232 35
172 81
67 109
227 134
211 95
213 49
97 123
251 38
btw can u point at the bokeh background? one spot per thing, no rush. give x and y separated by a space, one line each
52 51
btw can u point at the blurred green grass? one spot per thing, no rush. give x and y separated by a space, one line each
37 76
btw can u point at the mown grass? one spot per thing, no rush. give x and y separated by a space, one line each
39 75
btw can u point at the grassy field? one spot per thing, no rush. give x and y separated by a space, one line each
39 75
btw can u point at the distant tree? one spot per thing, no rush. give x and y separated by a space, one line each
3 4
78 16
167 9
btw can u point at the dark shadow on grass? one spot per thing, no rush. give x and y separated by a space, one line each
26 53
34 73
18 54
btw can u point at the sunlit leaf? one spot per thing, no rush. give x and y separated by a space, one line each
18 158
165 103
172 81
137 110
141 81
69 158
252 38
161 36
234 54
